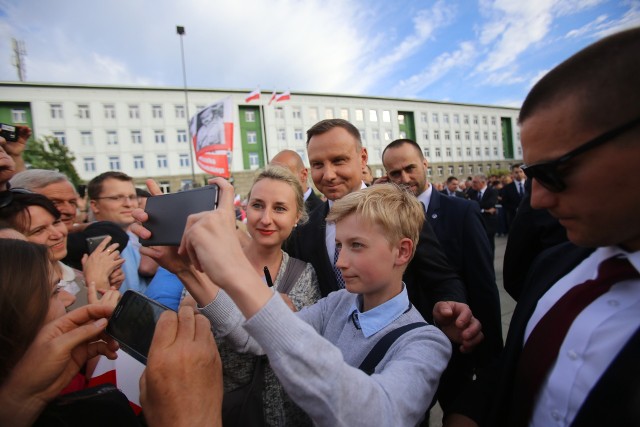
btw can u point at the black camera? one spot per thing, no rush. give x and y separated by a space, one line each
8 132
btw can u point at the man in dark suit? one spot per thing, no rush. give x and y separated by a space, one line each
451 189
337 158
513 193
292 161
487 198
458 226
590 343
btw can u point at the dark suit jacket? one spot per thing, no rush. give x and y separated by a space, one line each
458 193
489 200
614 400
429 277
312 202
510 201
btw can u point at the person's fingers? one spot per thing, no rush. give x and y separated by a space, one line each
103 244
74 337
463 315
100 348
166 330
186 324
84 259
80 316
225 196
442 312
202 328
138 229
153 187
469 345
92 294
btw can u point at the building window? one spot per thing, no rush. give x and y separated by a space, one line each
165 187
136 137
448 151
254 160
185 162
484 120
159 136
296 113
458 151
426 135
83 111
182 136
89 164
495 151
161 161
425 151
282 134
493 121
477 151
313 114
56 111
456 118
112 137
438 153
387 135
18 116
134 112
429 171
495 136
375 134
465 119
298 134
302 154
279 113
60 136
138 162
86 137
470 167
457 135
436 134
156 111
440 171
467 135
344 113
252 137
468 151
450 169
114 163
386 116
180 112
475 120
480 168
424 118
485 134
328 113
460 169
363 134
359 115
373 116
109 111
446 135
434 117
476 135
401 119
445 118
250 116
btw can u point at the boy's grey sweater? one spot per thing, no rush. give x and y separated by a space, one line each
315 354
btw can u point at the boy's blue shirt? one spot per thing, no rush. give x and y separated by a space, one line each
371 321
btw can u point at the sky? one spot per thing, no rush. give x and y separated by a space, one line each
480 52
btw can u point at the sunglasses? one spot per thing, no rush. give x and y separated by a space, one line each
6 197
549 175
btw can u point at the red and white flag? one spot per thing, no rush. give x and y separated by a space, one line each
285 96
124 373
253 96
212 130
273 97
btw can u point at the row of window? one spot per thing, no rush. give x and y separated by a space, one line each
437 151
457 134
471 169
18 116
109 110
86 137
162 162
455 118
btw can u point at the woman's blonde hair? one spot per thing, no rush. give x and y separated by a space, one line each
395 210
279 173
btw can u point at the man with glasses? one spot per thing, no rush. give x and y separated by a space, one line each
571 356
113 198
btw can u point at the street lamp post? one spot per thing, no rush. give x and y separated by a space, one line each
180 31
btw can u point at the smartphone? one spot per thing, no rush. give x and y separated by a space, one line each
93 242
8 132
133 323
168 213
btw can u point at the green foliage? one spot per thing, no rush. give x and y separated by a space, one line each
498 172
49 153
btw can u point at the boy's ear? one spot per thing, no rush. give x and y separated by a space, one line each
405 251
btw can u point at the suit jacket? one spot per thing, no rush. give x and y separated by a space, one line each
615 398
488 201
312 202
429 277
458 225
458 193
510 200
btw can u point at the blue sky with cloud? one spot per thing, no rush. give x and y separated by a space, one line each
485 52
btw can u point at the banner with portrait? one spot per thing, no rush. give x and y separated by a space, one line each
212 131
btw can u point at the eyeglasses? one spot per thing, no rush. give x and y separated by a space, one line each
121 198
548 173
6 197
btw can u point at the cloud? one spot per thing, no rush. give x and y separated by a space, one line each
503 78
437 69
603 25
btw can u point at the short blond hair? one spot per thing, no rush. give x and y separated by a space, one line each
394 209
283 174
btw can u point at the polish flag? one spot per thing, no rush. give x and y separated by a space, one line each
252 96
273 96
285 96
124 373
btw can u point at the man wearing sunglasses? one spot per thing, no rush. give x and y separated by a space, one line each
572 352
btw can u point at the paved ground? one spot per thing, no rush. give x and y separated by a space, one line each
507 304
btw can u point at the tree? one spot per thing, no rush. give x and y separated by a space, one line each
49 153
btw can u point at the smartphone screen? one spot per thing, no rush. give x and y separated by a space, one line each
133 323
168 213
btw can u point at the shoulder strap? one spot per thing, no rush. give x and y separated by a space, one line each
368 365
295 267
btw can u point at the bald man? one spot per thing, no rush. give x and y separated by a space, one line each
292 161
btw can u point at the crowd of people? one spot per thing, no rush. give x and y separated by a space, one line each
362 304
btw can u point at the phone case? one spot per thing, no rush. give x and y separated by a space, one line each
168 213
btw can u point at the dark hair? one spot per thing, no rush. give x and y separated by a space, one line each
325 126
515 165
400 142
602 79
94 188
451 178
17 214
25 295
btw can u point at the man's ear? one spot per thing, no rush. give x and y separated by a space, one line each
304 175
405 251
94 207
364 156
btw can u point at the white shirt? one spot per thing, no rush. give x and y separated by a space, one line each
307 194
425 197
330 233
592 342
